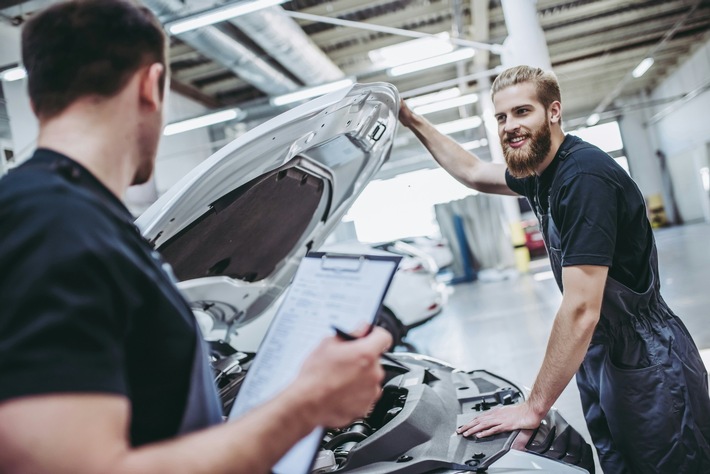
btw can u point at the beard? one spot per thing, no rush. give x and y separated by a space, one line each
523 162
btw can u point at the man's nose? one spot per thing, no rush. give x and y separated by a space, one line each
511 125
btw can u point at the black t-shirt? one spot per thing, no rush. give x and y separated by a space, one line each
85 305
599 211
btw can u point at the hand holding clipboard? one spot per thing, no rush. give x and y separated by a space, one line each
343 291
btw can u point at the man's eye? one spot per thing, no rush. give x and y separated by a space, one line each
500 119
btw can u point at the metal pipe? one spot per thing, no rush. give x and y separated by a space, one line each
494 48
450 82
685 98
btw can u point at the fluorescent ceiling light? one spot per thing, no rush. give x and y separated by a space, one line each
202 121
446 104
409 51
14 74
459 125
593 119
643 66
216 15
311 92
458 55
433 97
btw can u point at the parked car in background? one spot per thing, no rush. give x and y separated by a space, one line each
234 231
414 296
438 248
424 260
435 252
533 238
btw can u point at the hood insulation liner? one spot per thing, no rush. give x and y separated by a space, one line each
248 232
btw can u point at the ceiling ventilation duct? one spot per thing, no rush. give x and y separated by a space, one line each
219 47
284 40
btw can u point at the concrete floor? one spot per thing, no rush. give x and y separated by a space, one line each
503 326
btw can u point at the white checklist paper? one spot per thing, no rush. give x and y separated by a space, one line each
327 290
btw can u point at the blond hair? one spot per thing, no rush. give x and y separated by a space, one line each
545 82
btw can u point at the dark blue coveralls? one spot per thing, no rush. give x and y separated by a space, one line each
643 385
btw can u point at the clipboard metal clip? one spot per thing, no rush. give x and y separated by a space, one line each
341 262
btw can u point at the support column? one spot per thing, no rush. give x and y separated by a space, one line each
525 43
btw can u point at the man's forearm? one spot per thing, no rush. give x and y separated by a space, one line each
449 154
466 167
569 340
249 445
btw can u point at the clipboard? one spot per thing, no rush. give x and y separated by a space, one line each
328 289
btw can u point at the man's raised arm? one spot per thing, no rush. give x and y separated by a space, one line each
466 167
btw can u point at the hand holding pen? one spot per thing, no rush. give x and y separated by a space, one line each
349 337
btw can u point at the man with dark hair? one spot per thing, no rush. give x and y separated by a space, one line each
643 385
101 362
73 51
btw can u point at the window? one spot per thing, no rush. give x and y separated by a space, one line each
606 136
404 205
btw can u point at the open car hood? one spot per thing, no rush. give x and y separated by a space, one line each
236 227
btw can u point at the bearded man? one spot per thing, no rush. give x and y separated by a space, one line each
643 386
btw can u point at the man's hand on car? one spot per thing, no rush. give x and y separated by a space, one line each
499 420
406 116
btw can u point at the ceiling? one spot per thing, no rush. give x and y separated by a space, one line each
593 44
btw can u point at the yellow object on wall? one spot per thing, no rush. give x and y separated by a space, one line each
656 210
521 252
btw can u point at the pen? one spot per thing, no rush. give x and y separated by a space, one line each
349 337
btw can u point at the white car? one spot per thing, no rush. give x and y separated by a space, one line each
234 231
438 249
424 259
414 296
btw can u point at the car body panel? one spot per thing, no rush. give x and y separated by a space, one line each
411 429
236 227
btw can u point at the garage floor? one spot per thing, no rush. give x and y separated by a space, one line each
503 326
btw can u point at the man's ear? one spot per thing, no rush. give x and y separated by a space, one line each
151 91
555 111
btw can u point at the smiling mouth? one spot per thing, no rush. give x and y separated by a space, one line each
516 142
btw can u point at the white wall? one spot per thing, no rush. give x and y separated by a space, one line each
687 126
23 127
693 202
683 135
10 41
23 124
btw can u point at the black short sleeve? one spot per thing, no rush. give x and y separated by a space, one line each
85 303
515 184
62 325
585 211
